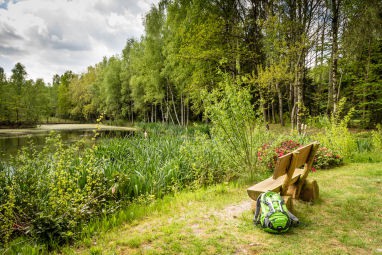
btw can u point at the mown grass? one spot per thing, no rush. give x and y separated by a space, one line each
217 220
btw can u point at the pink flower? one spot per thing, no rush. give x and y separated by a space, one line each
313 169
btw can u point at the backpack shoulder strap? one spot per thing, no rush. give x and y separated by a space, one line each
256 219
295 220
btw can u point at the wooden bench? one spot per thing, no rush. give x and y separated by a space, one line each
289 176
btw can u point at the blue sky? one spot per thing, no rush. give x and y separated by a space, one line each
52 36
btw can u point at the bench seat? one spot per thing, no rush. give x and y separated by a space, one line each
271 184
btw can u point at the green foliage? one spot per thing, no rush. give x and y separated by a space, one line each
111 88
377 138
204 159
326 158
63 95
161 76
143 167
235 128
7 217
336 135
50 195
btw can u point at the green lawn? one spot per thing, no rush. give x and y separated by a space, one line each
346 220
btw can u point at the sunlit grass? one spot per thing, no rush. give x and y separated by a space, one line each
204 221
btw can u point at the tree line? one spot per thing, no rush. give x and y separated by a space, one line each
299 58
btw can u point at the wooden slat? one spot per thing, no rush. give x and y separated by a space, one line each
304 154
282 165
271 184
307 168
290 172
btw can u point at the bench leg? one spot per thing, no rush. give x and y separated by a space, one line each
288 202
309 191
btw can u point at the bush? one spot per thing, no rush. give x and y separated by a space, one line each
268 154
326 158
204 160
377 138
50 195
337 136
235 130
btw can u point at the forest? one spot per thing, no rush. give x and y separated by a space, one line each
300 59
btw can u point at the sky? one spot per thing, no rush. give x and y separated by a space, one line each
52 36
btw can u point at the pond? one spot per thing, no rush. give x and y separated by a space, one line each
12 140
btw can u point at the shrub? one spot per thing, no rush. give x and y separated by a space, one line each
235 129
336 135
268 154
204 160
377 138
50 195
326 158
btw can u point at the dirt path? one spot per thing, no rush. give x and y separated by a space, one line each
192 224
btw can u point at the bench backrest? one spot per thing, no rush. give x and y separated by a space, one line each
301 156
282 165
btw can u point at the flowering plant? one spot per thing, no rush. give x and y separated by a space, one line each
268 154
326 158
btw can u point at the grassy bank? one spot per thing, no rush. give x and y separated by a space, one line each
51 196
218 220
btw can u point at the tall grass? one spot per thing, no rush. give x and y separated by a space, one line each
151 166
51 195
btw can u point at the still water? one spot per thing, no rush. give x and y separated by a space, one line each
9 145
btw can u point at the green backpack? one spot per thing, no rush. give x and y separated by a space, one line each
272 213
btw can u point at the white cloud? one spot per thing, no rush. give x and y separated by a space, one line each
50 37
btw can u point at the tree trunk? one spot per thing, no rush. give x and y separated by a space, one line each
262 105
300 103
173 104
366 81
290 101
181 110
335 8
161 110
280 97
188 113
152 113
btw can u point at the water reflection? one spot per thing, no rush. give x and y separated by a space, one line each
10 145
